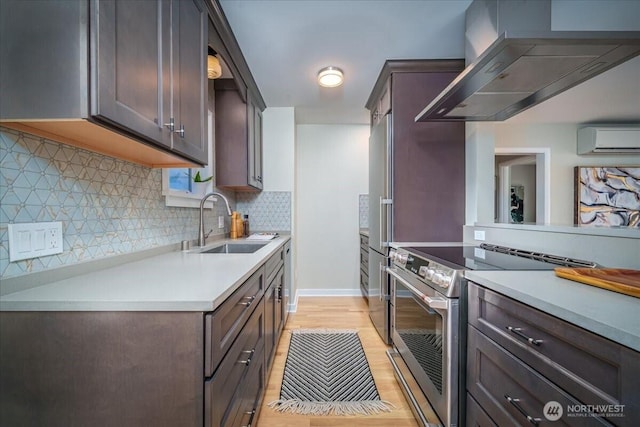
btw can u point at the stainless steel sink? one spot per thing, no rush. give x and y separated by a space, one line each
235 248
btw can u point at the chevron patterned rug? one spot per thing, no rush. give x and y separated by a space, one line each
327 373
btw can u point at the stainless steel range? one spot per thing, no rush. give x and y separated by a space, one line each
428 320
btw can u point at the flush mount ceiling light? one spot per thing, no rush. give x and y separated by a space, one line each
214 70
330 77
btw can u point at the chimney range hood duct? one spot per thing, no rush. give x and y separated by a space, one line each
514 61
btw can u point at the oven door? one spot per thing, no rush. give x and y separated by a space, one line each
425 335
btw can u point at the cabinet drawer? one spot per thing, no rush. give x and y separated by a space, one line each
593 369
509 390
476 417
364 242
364 284
224 391
364 259
250 399
273 264
223 325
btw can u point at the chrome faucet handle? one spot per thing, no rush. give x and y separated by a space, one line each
201 236
206 235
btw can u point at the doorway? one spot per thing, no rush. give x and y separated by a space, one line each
522 185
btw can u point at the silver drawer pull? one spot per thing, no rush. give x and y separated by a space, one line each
516 404
518 332
248 302
252 413
248 360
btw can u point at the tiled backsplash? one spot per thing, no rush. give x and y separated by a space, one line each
268 211
363 201
107 206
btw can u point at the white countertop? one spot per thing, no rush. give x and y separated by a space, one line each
173 281
610 314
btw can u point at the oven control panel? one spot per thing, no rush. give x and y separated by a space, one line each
429 271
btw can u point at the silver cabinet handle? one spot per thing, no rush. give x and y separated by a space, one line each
252 413
180 131
518 332
381 269
248 302
433 302
516 404
247 361
171 125
383 220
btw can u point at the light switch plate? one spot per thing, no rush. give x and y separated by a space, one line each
34 239
220 221
478 234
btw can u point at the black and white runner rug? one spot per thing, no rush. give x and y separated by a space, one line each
327 373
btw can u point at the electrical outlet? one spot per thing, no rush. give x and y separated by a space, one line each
478 234
35 239
220 221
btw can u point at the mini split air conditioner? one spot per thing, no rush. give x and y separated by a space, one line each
611 139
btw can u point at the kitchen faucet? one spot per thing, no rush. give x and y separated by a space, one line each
201 236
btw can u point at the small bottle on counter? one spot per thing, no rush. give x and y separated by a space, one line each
245 225
234 225
239 227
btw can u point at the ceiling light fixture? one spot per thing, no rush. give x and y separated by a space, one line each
330 77
214 70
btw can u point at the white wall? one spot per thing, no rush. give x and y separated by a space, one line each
278 161
609 247
562 139
595 15
331 171
278 139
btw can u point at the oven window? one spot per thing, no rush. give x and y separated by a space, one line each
420 327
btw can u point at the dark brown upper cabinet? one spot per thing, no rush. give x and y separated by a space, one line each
123 78
425 161
150 72
238 135
126 79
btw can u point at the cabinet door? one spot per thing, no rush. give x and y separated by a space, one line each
510 392
189 79
269 323
223 326
278 323
131 68
254 117
274 316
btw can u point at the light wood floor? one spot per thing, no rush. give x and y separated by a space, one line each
337 313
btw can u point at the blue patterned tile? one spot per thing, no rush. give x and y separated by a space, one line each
107 206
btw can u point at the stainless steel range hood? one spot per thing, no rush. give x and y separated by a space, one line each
514 61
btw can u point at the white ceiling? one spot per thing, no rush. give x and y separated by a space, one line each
286 42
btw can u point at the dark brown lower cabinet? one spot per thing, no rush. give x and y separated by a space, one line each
274 315
101 369
364 266
476 417
143 368
229 394
527 367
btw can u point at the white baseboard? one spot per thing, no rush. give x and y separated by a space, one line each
328 293
293 305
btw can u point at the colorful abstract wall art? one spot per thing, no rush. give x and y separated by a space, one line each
608 196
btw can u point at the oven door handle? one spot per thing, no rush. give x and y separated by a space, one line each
433 302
